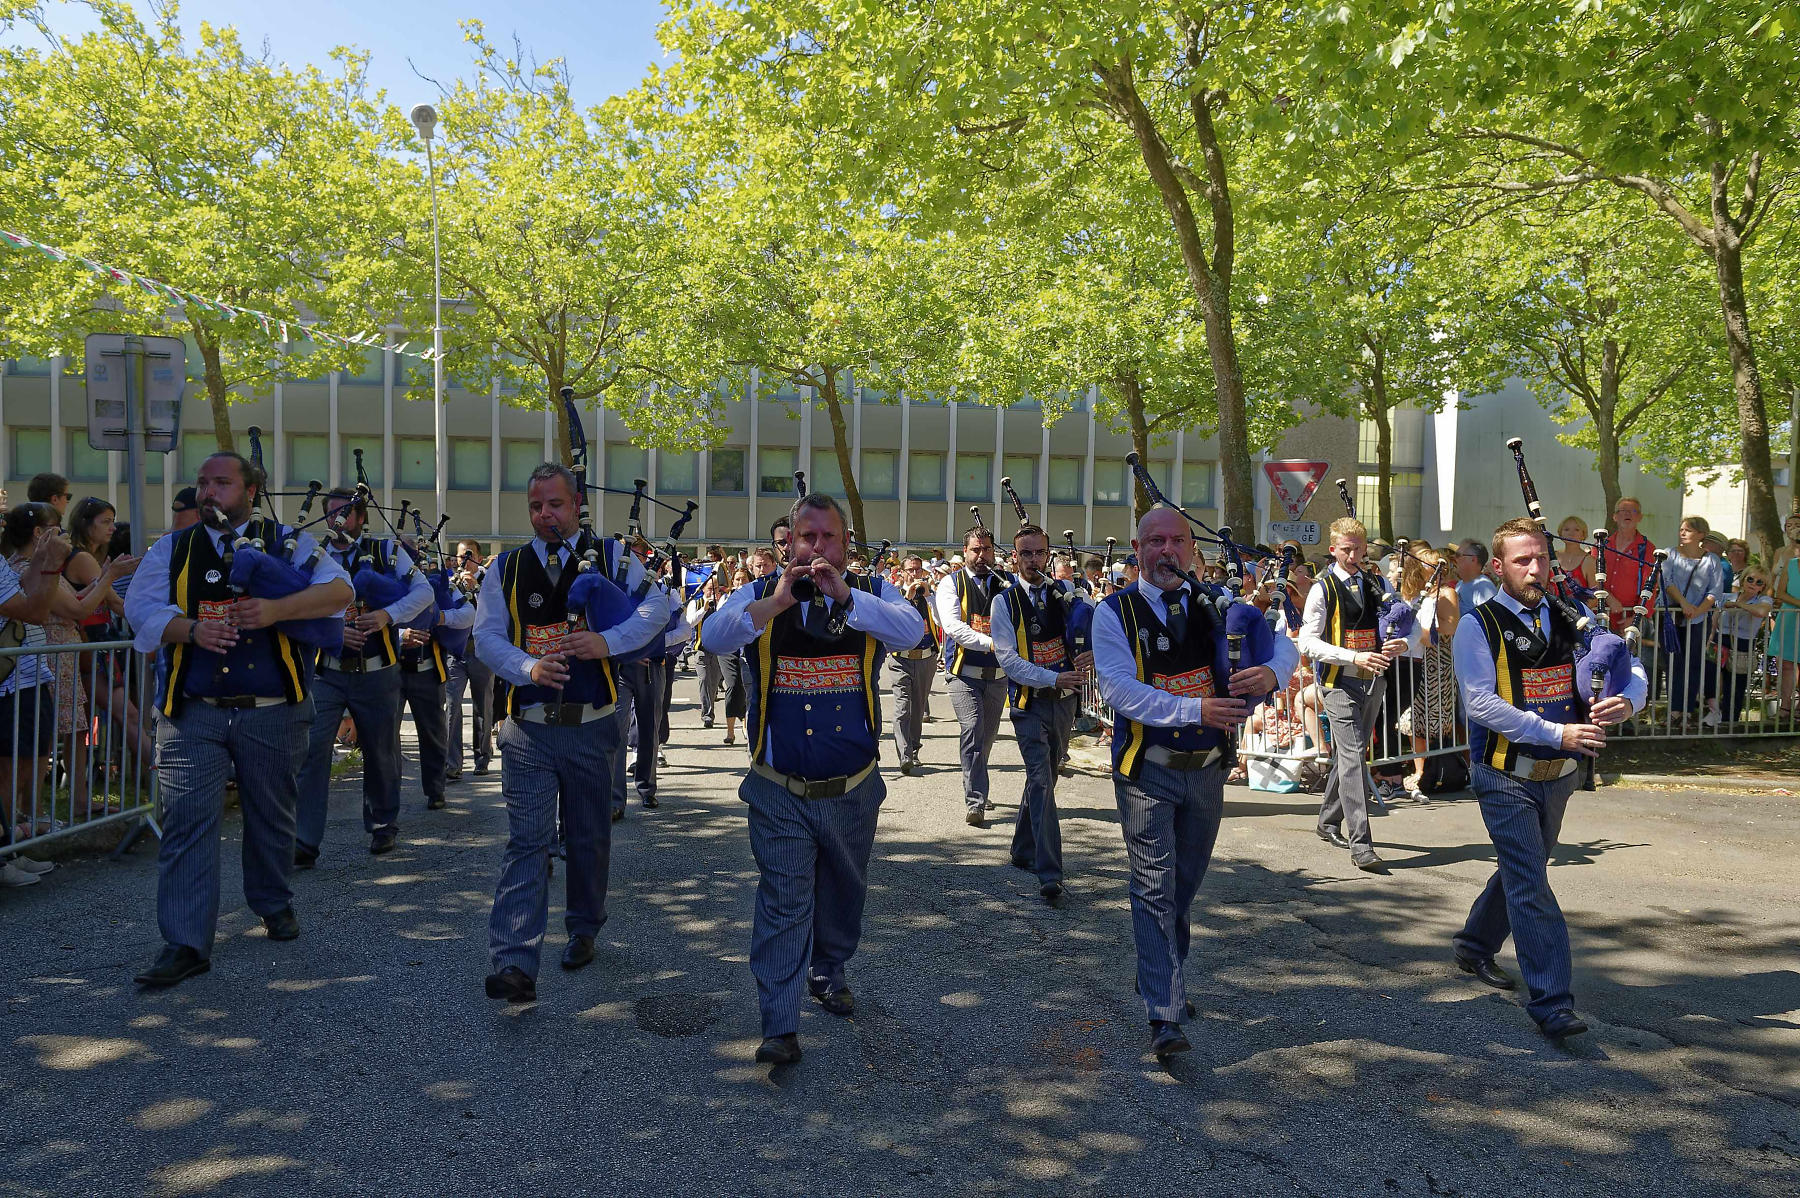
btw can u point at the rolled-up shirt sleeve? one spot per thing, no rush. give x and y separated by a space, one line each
1115 669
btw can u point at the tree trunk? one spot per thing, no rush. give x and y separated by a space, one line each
1606 429
218 395
1753 416
1131 395
840 441
564 450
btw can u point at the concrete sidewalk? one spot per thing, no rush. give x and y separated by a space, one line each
997 1048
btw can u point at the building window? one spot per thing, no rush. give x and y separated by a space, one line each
775 471
625 464
1197 484
153 467
517 460
1407 428
30 451
371 458
825 474
366 370
309 459
1405 487
880 474
471 465
1023 471
925 476
727 472
86 465
196 447
1065 480
415 462
1109 481
678 473
974 477
29 367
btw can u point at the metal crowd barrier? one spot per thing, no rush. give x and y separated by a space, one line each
100 769
1708 680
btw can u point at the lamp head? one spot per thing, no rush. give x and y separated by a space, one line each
424 119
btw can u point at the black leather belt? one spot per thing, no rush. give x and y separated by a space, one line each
352 665
418 667
824 788
1176 760
241 702
566 715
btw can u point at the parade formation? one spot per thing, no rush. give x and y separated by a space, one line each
265 638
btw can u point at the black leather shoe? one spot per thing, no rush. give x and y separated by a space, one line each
305 858
706 723
1188 1004
282 925
481 771
662 758
1166 1039
434 802
382 842
1485 969
650 803
1368 862
453 775
906 765
779 1050
1334 835
1052 892
177 963
513 984
618 814
579 952
839 1002
975 817
1562 1024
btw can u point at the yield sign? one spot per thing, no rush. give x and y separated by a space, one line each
1294 483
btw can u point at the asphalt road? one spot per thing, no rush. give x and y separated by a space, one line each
998 1047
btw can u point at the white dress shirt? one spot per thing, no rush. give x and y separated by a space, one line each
1005 638
513 664
883 614
683 632
147 606
949 613
419 595
1481 701
1312 620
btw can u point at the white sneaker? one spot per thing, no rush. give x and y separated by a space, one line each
1710 720
12 875
33 867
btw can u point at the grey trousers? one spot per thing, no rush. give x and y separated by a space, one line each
978 706
640 712
423 695
712 677
1350 708
373 701
468 673
912 696
1171 822
1043 734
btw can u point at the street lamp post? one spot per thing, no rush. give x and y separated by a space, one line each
424 119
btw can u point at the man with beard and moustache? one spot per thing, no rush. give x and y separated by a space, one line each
365 680
813 788
561 732
1160 657
233 688
1044 679
977 683
1527 730
913 668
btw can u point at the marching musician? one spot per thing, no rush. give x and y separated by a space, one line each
712 673
1161 661
1044 679
233 686
364 679
977 683
813 788
914 668
1527 730
1340 632
465 671
561 732
640 711
424 670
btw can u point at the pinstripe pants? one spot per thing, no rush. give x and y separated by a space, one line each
1523 819
194 755
537 764
912 698
813 857
1171 820
978 706
1042 731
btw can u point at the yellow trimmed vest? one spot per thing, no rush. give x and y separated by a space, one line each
815 702
1195 669
1040 635
1532 672
537 615
264 662
974 602
382 646
1349 623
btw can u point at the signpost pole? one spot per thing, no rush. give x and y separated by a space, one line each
135 424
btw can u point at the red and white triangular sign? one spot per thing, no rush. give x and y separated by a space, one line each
1294 483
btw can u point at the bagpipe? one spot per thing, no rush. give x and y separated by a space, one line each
1078 612
1397 618
1603 659
1249 638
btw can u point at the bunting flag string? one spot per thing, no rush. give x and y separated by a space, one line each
112 274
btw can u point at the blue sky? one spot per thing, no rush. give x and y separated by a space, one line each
607 43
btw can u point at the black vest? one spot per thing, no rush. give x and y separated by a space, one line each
537 615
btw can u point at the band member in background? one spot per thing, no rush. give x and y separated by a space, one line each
913 668
365 680
424 670
1527 730
561 732
977 684
815 741
467 672
1339 631
1160 659
1044 679
640 716
231 687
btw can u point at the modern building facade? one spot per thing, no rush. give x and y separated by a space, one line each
920 463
